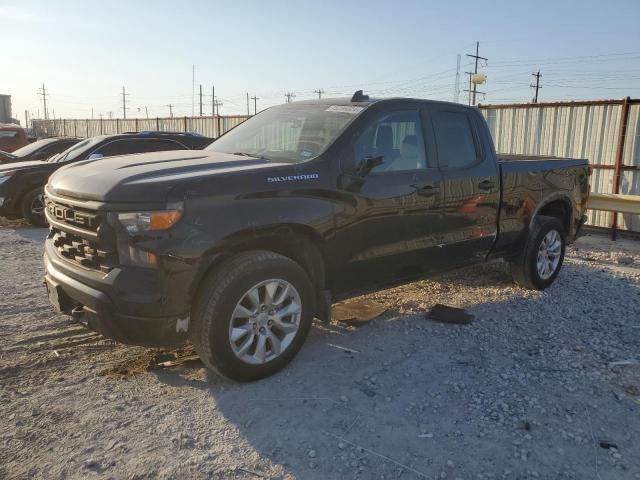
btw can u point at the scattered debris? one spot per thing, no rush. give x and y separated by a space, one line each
358 311
624 363
179 361
150 359
607 444
447 314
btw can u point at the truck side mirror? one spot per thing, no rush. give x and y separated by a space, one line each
369 163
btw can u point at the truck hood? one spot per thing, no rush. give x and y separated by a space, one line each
145 177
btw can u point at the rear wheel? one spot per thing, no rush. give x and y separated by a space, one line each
32 207
252 315
540 261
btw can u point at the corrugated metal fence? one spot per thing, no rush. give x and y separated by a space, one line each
208 126
606 132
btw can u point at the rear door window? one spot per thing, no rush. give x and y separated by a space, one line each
455 139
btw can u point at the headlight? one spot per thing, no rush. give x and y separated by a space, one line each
136 222
4 176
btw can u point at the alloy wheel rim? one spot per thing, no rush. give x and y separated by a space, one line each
37 205
549 254
265 321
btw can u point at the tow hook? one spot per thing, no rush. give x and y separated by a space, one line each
79 314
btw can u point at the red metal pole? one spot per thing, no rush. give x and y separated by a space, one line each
624 117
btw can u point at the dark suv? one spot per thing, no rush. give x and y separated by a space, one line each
38 150
21 183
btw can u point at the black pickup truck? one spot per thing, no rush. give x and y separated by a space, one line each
239 246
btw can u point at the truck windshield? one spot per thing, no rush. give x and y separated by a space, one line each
289 133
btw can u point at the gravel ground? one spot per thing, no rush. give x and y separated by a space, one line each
530 389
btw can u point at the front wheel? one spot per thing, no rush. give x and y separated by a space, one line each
32 207
252 315
541 259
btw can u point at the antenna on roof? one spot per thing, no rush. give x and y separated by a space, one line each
359 97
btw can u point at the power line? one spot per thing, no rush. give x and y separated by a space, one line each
537 85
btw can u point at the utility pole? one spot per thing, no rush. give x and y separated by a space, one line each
44 101
289 96
146 110
170 110
319 92
248 112
537 85
255 104
213 101
91 113
475 70
110 114
124 103
456 91
26 119
200 99
193 87
218 105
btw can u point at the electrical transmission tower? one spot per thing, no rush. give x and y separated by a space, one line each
289 96
319 92
456 88
43 92
474 92
124 103
537 85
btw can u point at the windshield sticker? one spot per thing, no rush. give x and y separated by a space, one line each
306 153
293 178
344 109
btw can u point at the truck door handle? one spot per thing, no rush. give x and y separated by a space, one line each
486 185
427 190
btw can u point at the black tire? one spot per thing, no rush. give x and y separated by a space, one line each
524 268
28 207
216 300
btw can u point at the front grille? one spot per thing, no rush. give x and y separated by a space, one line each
82 236
82 251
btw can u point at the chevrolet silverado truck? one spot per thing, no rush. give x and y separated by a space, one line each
239 246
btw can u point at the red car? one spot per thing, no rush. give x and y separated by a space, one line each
12 137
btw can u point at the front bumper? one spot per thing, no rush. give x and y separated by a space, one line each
126 305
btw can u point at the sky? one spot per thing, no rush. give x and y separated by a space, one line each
85 52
